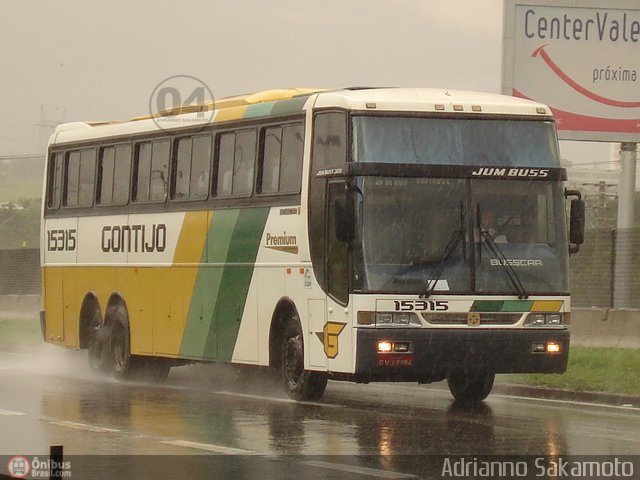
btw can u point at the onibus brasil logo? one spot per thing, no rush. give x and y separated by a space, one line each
22 467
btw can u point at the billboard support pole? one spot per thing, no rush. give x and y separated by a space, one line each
623 270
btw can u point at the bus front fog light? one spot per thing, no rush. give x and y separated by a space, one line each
553 347
384 346
401 347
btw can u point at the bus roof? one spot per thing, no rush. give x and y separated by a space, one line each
292 100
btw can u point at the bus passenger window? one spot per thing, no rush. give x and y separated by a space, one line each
72 172
236 159
55 180
200 166
291 162
225 164
159 170
142 171
87 177
122 174
281 163
244 160
270 174
183 168
106 166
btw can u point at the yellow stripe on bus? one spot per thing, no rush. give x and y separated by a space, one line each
547 306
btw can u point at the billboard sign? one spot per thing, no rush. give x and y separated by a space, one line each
582 58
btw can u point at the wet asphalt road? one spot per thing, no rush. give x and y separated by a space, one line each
207 422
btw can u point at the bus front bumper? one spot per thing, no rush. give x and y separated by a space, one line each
427 355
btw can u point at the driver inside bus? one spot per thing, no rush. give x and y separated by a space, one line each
490 225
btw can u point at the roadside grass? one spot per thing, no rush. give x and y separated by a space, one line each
20 332
613 370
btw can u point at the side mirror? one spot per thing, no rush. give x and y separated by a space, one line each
576 222
343 222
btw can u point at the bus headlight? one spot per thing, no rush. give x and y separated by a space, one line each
397 319
535 319
388 319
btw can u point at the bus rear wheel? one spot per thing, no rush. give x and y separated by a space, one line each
470 387
300 384
98 351
125 366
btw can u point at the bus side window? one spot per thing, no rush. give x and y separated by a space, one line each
114 172
270 164
159 170
291 162
226 148
122 174
200 167
329 141
54 182
192 163
106 164
142 172
87 177
182 168
281 162
235 163
151 168
243 162
71 178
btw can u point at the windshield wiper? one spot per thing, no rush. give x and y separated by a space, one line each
456 237
454 241
493 247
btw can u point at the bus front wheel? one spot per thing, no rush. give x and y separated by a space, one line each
470 387
300 384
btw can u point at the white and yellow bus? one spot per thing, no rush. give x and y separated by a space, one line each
360 234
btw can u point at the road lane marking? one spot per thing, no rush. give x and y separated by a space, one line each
568 402
209 447
370 472
274 399
10 413
84 426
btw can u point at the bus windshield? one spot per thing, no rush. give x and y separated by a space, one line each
442 141
415 235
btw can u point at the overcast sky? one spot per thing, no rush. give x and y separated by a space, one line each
99 60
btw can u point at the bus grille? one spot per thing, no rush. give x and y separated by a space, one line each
461 318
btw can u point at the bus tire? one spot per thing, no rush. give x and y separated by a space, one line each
154 370
123 365
300 384
470 387
97 344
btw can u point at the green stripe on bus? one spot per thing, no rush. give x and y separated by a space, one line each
258 110
236 279
486 306
502 306
517 306
289 106
199 321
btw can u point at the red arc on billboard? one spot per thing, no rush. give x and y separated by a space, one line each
540 51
